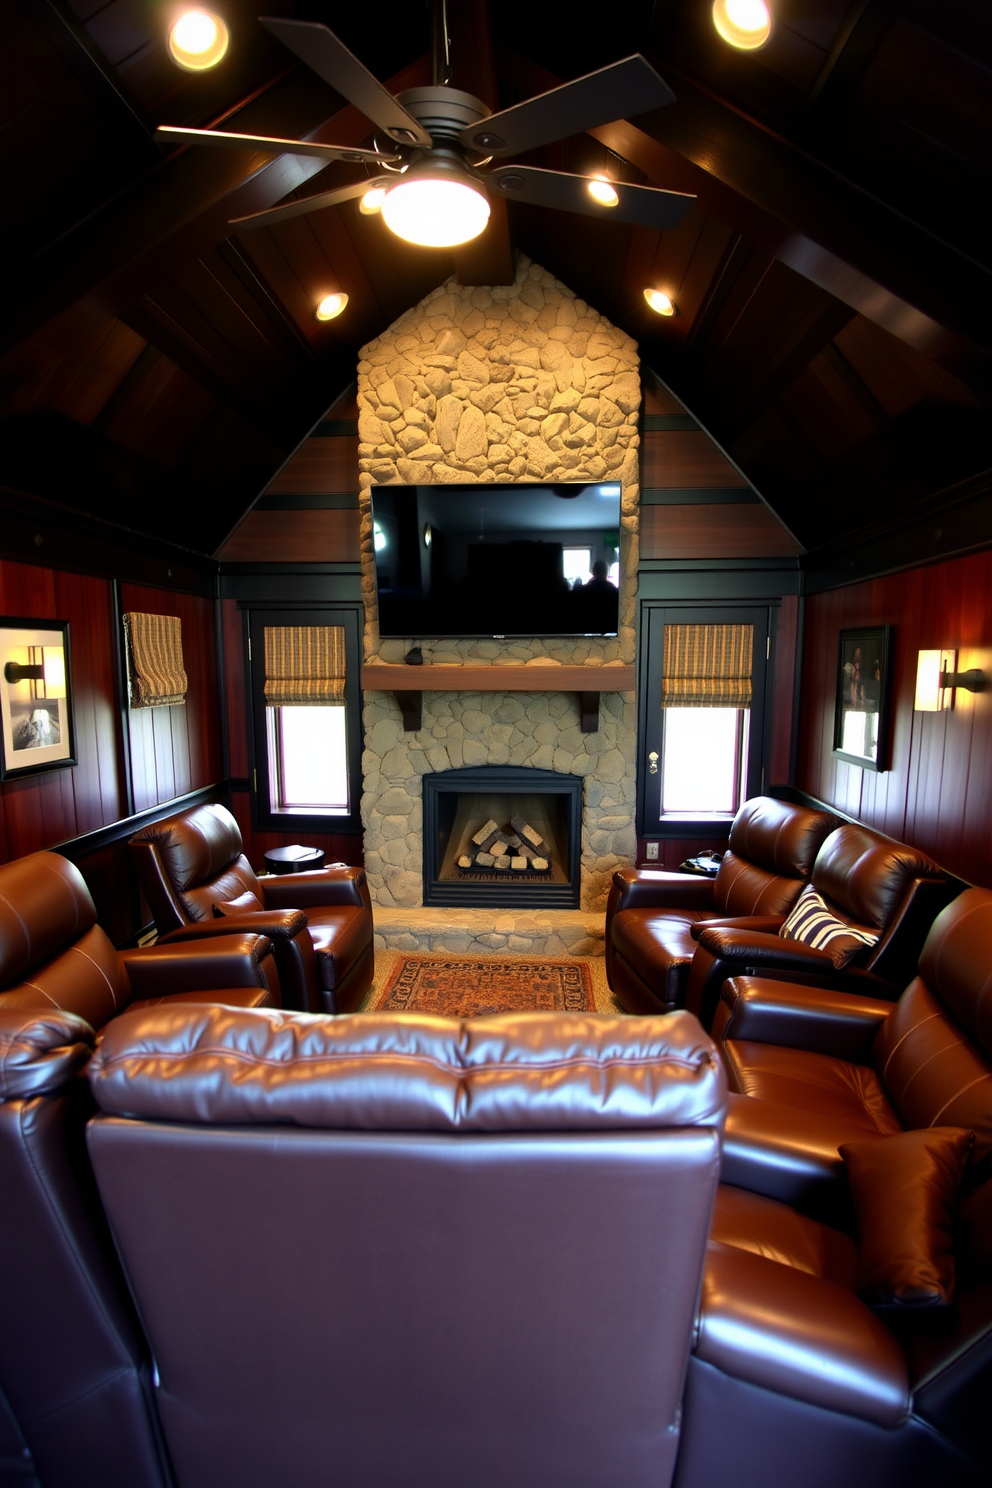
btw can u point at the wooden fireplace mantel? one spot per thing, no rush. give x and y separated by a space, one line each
409 683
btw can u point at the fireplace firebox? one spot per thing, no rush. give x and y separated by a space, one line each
459 803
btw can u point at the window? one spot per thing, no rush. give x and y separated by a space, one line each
306 707
702 706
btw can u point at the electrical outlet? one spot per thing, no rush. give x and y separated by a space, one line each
651 851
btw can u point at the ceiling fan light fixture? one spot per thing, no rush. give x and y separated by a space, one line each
744 24
198 40
436 205
603 191
331 306
659 302
372 201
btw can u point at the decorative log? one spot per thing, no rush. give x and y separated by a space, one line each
484 860
541 864
527 834
518 864
488 830
503 861
465 861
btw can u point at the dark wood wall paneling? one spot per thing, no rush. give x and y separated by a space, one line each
173 750
935 794
177 750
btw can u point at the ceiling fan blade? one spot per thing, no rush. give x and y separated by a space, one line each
647 206
330 59
615 92
314 203
274 143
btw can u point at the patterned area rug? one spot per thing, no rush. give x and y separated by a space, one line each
467 986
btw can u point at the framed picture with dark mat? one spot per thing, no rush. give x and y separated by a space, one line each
861 709
36 727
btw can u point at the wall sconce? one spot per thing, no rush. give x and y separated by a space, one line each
937 677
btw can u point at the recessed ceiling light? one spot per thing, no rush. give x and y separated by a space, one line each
331 306
601 190
744 24
198 40
659 302
372 201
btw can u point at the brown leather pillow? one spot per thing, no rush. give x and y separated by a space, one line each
246 903
905 1191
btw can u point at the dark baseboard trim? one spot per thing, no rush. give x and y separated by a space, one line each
76 848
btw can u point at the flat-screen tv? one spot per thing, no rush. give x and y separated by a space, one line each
497 560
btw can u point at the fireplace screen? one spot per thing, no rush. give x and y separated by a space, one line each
502 835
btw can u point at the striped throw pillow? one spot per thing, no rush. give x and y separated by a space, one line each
813 923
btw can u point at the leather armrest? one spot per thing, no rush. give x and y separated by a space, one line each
198 966
759 948
823 1019
799 1336
766 923
278 924
649 888
786 1153
316 888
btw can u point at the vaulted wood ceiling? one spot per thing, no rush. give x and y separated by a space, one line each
834 326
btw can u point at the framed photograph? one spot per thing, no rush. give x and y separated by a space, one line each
861 713
36 730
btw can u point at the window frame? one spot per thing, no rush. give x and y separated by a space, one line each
350 616
654 616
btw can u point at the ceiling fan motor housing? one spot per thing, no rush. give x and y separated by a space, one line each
443 112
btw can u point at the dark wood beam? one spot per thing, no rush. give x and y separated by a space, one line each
182 207
854 45
860 250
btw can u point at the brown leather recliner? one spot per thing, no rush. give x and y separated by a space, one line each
384 1249
790 1361
73 1364
651 916
53 954
867 881
194 861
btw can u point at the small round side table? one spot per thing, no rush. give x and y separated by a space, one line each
293 859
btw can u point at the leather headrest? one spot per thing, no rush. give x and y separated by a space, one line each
194 846
40 1051
782 838
866 875
956 963
407 1072
44 906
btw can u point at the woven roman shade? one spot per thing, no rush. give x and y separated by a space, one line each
156 676
707 666
304 664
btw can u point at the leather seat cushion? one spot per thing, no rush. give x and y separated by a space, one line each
235 997
831 1088
768 1228
341 935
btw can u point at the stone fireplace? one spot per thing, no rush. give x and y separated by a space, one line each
522 382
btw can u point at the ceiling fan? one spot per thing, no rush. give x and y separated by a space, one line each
434 188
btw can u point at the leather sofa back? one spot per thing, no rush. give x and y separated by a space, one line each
769 856
44 906
932 1052
877 884
386 1262
53 954
189 862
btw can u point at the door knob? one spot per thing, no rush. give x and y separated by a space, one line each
652 763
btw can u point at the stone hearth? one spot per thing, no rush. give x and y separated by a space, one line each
522 382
